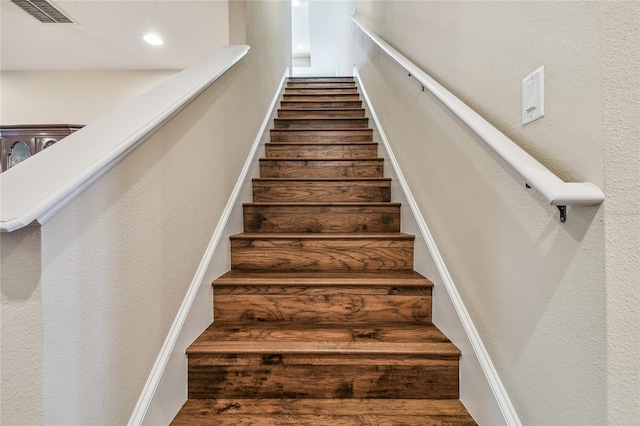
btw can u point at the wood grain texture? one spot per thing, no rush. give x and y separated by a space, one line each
326 90
371 279
289 376
311 168
322 123
395 334
321 84
320 113
334 306
311 104
321 217
323 79
323 412
321 252
326 97
328 135
318 151
322 190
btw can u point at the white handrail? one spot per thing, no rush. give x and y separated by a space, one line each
553 189
36 189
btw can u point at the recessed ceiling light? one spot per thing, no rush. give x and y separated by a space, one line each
153 39
295 3
300 46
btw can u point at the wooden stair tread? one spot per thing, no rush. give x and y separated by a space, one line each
345 179
320 110
323 78
376 159
285 331
306 144
325 130
332 236
299 338
320 278
334 406
334 411
322 119
320 204
316 104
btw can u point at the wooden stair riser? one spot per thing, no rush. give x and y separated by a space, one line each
322 123
297 168
319 151
322 304
283 375
321 80
320 85
320 104
320 113
323 136
321 218
337 190
317 252
316 98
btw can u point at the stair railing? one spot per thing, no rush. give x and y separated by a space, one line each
553 189
37 189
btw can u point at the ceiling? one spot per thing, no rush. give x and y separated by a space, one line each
107 34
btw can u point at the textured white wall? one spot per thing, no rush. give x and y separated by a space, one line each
20 328
70 97
621 83
536 289
117 260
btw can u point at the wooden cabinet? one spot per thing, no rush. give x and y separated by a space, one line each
19 142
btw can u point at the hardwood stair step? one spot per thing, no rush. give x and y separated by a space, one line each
321 135
319 151
321 217
324 97
312 104
320 113
369 338
321 84
322 123
313 252
287 363
323 412
313 168
322 304
330 297
322 190
348 79
325 91
402 278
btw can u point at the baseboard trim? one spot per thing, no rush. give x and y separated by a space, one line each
159 404
477 370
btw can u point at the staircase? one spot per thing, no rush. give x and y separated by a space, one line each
322 319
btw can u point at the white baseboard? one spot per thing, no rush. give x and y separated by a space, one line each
481 390
166 388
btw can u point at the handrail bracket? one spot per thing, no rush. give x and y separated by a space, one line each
563 213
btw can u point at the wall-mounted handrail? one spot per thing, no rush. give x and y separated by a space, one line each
553 189
36 189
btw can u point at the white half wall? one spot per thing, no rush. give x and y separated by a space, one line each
116 261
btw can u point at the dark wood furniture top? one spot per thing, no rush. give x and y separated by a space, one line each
19 142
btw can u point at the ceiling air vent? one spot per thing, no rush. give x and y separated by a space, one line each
43 11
